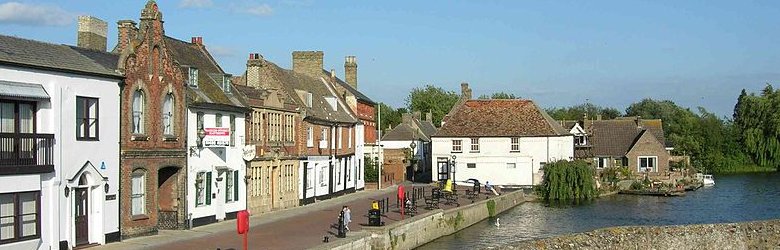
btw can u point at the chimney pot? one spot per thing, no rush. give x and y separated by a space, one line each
465 91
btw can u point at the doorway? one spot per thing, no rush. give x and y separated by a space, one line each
81 210
168 198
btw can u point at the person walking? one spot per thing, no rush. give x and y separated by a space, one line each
347 217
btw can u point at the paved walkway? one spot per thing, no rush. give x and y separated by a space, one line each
295 228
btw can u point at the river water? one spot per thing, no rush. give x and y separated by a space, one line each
734 198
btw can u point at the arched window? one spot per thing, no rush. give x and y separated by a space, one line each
138 112
138 192
167 115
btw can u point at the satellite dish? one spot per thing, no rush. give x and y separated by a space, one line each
249 152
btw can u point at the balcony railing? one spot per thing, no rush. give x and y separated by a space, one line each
26 153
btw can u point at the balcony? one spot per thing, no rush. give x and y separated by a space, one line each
26 153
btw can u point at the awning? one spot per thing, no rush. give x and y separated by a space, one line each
19 90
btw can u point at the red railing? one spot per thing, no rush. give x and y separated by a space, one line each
26 153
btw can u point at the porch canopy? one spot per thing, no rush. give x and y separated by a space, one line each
23 91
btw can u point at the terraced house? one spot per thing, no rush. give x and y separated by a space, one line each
59 142
274 137
216 189
153 129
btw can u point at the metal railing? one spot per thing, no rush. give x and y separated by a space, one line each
26 150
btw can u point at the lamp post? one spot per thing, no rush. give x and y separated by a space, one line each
379 173
453 168
413 159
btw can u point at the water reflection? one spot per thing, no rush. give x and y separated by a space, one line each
734 198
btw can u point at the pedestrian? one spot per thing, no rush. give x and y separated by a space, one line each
347 217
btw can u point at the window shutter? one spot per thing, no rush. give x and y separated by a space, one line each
235 185
227 184
208 188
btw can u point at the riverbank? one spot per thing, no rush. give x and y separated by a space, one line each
416 231
745 235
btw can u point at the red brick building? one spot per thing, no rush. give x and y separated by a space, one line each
153 156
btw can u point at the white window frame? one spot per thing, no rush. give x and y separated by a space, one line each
474 145
340 134
324 134
168 114
457 146
138 106
193 77
309 137
138 197
514 144
641 169
511 165
200 190
601 162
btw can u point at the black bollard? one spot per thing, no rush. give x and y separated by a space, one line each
342 231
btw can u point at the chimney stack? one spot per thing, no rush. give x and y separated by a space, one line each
332 73
92 33
350 71
465 91
638 121
406 118
429 116
126 32
308 63
253 70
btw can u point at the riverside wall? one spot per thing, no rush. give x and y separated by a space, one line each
426 227
743 235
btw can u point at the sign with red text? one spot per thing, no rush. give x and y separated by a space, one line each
217 137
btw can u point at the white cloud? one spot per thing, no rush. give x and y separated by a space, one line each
32 14
258 10
195 4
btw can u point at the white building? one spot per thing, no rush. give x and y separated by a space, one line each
505 142
216 187
59 146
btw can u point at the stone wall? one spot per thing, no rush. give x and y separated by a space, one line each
418 230
745 235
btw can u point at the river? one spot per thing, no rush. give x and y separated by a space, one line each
734 198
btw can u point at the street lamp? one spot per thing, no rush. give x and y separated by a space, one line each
412 159
453 168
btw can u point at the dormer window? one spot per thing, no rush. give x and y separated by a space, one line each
193 79
332 102
308 100
226 83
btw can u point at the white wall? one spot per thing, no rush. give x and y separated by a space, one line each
57 116
494 155
360 149
208 159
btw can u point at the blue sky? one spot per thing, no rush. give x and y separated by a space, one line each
559 53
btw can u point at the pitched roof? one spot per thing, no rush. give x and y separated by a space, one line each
616 137
209 91
500 118
405 132
30 53
427 127
359 95
296 85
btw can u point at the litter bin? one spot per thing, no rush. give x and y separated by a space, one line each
374 218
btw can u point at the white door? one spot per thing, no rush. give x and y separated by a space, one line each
219 200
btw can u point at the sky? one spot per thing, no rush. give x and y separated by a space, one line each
696 53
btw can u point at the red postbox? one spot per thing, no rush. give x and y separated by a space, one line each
401 199
242 225
242 221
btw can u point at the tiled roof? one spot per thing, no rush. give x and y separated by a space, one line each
209 91
427 127
616 137
500 118
359 95
295 84
24 52
405 132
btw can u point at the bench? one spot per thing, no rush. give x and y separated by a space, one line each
432 201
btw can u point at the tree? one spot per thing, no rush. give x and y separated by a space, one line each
576 112
499 95
432 99
390 117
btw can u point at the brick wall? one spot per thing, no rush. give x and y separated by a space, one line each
151 70
394 166
308 63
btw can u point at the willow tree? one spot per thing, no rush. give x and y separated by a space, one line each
758 125
565 180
